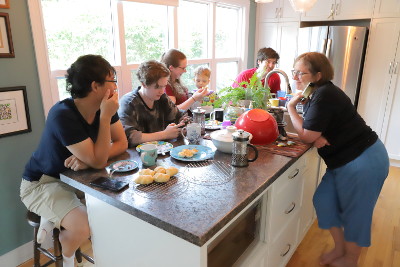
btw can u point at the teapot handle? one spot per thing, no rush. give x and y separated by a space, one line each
255 151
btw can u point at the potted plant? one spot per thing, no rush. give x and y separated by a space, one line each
247 90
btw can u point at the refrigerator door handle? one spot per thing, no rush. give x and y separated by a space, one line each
395 68
328 48
390 68
324 46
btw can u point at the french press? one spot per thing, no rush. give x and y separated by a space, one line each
199 116
239 150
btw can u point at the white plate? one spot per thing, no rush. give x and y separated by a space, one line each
162 146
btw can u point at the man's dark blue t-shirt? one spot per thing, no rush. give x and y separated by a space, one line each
65 126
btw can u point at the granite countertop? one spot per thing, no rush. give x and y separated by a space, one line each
197 211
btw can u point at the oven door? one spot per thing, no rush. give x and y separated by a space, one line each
233 242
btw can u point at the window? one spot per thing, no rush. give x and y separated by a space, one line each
146 31
127 32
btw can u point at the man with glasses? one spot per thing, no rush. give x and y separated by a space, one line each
267 58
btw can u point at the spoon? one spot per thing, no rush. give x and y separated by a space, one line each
119 168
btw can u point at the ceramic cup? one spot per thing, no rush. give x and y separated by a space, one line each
148 154
193 133
217 114
274 102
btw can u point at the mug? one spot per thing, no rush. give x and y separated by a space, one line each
193 133
274 102
217 114
148 154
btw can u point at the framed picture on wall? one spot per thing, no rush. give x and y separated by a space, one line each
4 3
6 44
14 111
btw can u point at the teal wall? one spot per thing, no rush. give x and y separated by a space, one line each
252 35
15 150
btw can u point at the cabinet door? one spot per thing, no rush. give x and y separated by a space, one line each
268 11
287 12
354 9
376 80
386 8
267 35
392 134
322 10
288 32
310 181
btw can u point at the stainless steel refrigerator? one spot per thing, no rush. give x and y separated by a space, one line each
345 47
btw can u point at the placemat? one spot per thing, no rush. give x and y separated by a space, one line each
293 151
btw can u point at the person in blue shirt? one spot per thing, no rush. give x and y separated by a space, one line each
357 160
81 132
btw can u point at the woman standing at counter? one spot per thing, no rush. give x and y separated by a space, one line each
81 132
176 62
147 113
357 160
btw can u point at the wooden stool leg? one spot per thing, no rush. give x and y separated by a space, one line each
36 252
78 256
57 248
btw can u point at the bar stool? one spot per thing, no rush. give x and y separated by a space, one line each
56 256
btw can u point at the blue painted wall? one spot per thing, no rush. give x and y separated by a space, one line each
15 150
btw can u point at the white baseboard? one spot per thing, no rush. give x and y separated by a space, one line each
394 162
22 254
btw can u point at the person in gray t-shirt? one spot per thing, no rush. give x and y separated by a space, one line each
147 113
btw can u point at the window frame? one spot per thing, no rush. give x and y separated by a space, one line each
48 78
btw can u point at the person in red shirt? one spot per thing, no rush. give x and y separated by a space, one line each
176 62
267 58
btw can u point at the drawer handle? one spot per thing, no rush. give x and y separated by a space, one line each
291 208
287 251
295 174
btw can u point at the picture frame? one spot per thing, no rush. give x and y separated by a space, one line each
14 111
6 44
4 3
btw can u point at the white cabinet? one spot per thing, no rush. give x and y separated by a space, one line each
310 182
278 10
291 210
339 10
387 8
283 38
289 214
380 88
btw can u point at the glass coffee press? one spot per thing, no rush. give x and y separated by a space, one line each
239 150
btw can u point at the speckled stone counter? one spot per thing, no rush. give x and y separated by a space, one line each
200 211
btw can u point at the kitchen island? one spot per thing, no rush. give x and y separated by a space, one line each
133 228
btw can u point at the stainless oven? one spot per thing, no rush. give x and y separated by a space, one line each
226 249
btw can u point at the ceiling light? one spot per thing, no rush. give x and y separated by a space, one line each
302 5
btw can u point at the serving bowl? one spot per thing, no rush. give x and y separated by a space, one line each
260 124
223 139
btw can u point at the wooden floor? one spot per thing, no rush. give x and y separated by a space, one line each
385 248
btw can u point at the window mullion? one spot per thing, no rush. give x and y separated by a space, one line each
212 32
125 74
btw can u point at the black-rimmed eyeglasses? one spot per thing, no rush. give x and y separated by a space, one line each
111 81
